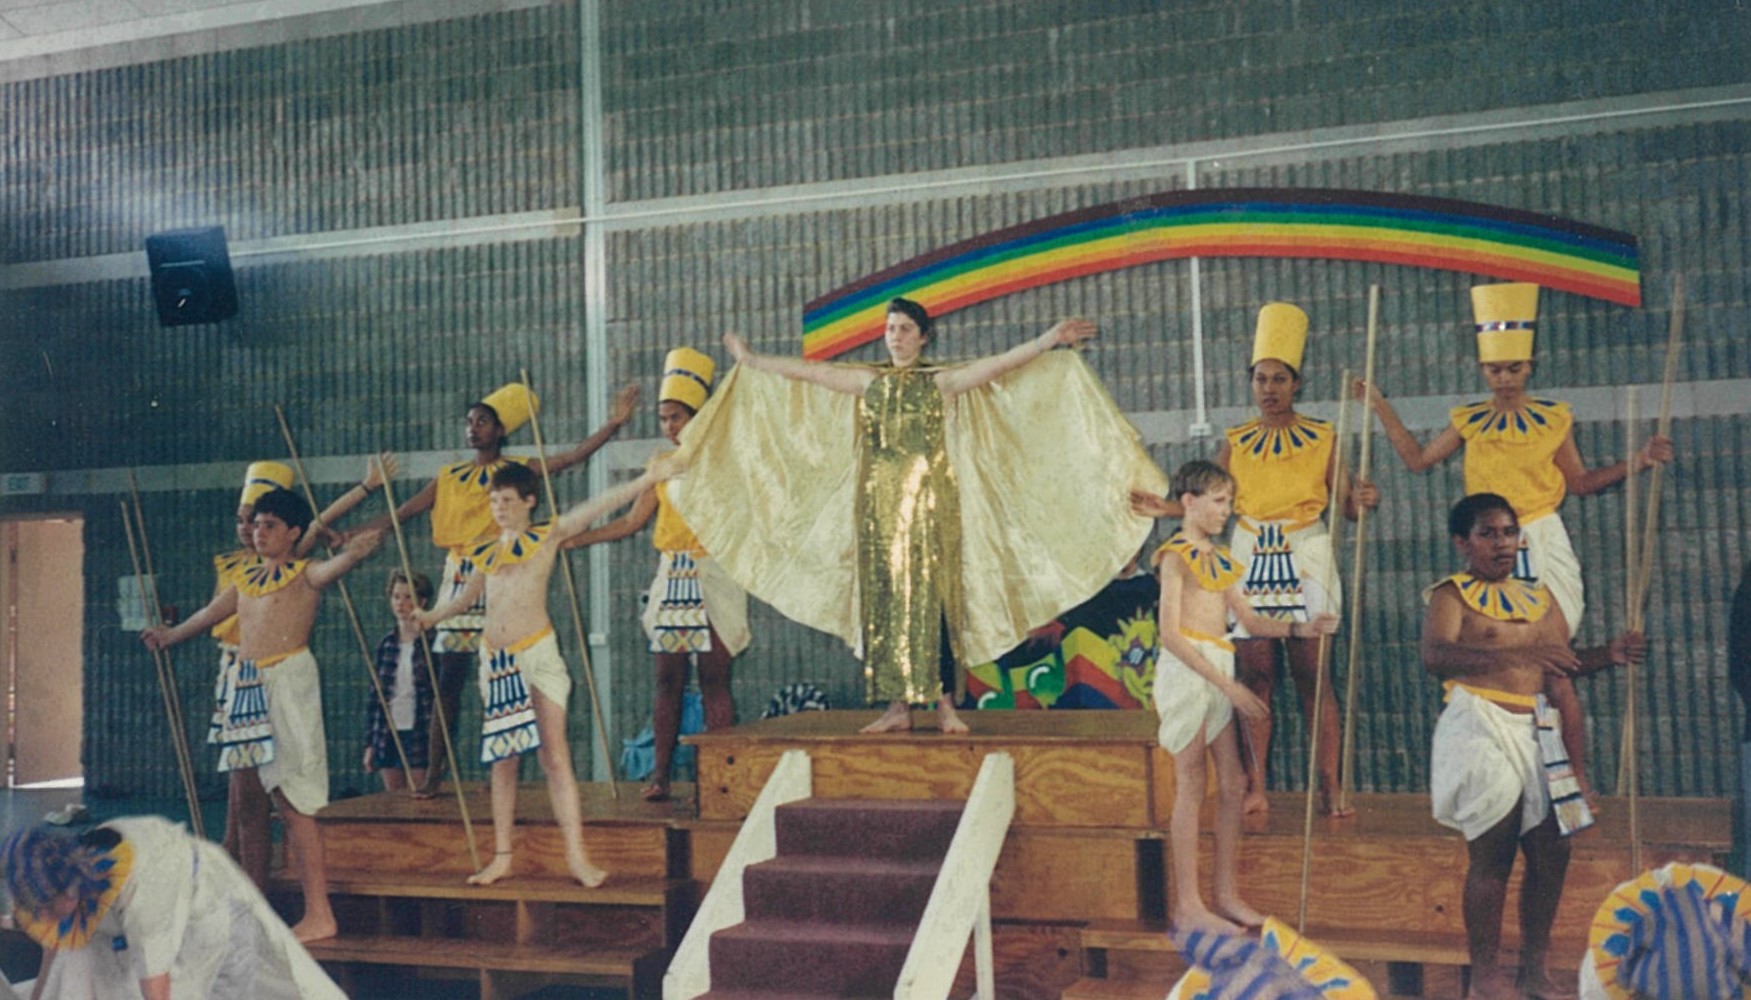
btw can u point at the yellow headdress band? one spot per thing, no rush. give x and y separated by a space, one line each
687 376
263 477
1507 317
514 403
1281 335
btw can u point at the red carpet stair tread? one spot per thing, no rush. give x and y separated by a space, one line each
834 913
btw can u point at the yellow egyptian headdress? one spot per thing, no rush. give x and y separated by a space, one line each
1507 317
687 376
514 403
263 477
1281 335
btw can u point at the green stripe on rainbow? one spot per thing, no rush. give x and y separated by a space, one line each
1240 222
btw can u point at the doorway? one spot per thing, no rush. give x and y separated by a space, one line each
42 593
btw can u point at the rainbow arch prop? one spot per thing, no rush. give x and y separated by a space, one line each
1438 233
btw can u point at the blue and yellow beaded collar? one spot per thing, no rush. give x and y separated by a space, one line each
492 556
1259 441
1213 568
1532 418
261 578
1505 600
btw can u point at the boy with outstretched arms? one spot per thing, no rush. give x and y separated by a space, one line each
275 599
1499 773
1197 695
457 499
524 682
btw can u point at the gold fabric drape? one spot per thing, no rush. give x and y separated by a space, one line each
1042 458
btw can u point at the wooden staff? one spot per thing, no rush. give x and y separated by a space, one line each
1627 771
1353 668
432 673
571 590
340 584
1650 533
185 769
1337 488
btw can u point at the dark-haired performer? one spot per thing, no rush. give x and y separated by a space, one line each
977 495
277 686
460 522
693 610
1498 769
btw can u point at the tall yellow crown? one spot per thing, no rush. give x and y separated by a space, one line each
262 477
514 403
1281 335
687 376
1507 317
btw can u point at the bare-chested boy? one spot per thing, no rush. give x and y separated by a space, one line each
1197 695
1498 772
524 682
274 599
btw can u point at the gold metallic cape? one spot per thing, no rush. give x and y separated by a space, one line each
1043 459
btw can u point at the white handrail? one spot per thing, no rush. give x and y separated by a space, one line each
689 973
960 903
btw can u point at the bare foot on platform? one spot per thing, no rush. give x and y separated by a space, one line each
1542 987
656 791
588 875
315 929
1236 910
497 868
1328 806
1202 920
948 720
897 719
1490 984
420 793
1255 804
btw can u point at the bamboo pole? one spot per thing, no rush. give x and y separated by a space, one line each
166 678
1353 667
432 674
1650 533
571 590
1627 770
1339 479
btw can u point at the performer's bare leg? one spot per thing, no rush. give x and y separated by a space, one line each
504 821
1230 800
714 685
1303 668
1491 861
1564 698
562 788
1189 912
897 719
454 670
247 836
947 719
1547 863
671 680
304 840
1255 665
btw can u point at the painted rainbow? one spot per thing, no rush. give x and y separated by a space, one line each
1237 222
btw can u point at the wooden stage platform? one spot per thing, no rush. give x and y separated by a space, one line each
1079 895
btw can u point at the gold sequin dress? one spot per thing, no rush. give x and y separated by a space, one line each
875 518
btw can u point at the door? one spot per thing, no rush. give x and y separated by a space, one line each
42 581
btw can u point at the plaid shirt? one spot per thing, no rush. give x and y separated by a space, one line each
416 740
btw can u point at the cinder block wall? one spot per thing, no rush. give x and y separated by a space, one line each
482 118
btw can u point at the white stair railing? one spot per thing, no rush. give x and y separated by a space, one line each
960 903
689 973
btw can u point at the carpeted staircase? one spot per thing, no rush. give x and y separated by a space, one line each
834 913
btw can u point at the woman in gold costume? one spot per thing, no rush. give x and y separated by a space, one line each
959 546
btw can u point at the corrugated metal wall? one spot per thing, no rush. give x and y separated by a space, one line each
479 117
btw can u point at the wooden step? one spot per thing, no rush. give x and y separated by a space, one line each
1357 946
455 953
629 890
1114 989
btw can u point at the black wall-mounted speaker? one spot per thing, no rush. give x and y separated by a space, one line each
191 276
